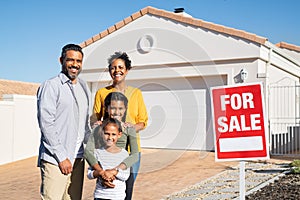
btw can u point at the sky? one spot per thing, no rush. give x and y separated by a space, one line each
33 32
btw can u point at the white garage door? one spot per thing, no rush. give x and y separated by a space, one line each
177 119
179 112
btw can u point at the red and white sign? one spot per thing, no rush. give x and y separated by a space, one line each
239 122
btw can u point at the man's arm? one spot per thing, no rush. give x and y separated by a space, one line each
47 104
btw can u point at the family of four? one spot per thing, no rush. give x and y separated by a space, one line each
108 139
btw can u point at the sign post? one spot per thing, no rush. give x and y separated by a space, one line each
242 180
239 124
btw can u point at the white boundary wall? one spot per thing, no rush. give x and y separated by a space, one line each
19 131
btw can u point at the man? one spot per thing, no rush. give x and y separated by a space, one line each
63 105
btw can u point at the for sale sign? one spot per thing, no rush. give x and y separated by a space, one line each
239 122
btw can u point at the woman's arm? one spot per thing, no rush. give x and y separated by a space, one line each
90 148
119 173
134 152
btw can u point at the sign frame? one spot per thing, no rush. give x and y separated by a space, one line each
248 139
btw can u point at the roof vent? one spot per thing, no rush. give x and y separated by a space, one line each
178 10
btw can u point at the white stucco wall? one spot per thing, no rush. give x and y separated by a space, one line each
171 43
19 132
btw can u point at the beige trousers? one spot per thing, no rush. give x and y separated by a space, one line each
57 186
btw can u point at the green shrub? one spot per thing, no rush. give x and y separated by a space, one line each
296 166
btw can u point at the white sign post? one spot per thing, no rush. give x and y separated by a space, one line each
242 180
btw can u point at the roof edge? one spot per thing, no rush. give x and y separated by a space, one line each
180 18
117 26
288 46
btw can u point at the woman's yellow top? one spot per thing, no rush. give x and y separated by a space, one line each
136 109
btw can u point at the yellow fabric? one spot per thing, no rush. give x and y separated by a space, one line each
136 111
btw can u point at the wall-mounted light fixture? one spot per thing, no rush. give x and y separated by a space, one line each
241 76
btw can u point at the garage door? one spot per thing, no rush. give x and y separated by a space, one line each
177 119
179 112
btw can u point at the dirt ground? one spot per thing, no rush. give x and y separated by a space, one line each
162 172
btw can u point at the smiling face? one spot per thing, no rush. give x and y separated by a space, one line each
72 64
118 70
111 134
116 110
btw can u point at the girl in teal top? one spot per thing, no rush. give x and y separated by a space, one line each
115 107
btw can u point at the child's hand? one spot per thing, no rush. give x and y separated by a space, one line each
114 172
109 174
107 184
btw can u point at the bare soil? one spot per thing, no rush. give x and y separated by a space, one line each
286 187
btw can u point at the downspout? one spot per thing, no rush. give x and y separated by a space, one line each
267 92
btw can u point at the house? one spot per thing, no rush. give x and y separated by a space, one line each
177 59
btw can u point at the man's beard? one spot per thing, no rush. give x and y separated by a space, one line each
70 75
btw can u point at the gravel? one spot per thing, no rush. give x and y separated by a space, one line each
225 185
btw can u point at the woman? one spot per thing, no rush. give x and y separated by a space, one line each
137 117
119 66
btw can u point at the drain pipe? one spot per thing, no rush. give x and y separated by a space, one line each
267 92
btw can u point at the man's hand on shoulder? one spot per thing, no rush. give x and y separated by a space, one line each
65 166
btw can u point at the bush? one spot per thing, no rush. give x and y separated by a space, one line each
295 166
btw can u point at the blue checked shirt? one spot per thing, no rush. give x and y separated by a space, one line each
57 112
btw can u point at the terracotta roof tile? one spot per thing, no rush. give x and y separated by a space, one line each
111 29
144 11
188 20
229 31
104 33
180 18
136 15
96 37
167 15
155 11
285 45
89 41
120 24
198 22
208 25
17 87
127 20
220 28
176 17
151 9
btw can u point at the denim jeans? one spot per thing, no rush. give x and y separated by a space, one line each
136 167
133 174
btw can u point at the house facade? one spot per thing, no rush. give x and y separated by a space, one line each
177 59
